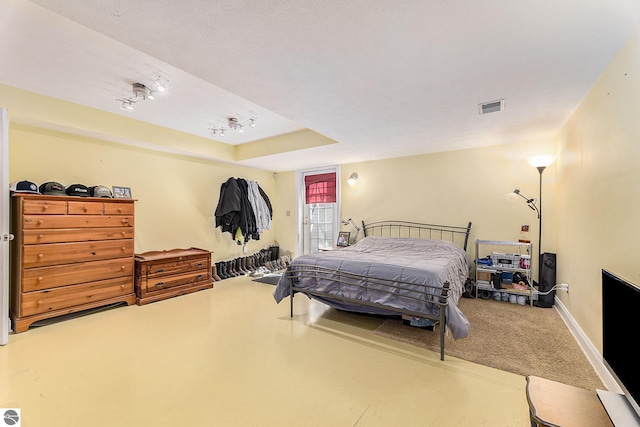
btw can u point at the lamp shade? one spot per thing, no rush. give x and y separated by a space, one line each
541 161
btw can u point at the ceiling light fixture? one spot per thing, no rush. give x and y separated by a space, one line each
142 92
234 124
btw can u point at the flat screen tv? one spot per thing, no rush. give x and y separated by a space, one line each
620 320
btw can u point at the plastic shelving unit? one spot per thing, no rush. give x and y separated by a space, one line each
485 248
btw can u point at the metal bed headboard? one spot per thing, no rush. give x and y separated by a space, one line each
418 230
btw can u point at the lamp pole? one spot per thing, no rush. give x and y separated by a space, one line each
540 169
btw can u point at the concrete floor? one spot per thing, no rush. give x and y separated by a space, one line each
231 356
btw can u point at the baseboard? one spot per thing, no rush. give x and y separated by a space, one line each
592 353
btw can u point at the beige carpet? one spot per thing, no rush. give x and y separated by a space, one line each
517 338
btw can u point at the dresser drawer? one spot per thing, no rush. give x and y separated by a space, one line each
70 296
65 253
111 208
34 279
31 222
44 207
85 208
54 235
163 283
174 267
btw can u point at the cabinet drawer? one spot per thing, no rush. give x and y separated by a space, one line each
174 267
70 296
162 283
65 253
44 207
31 222
34 237
85 208
118 208
34 279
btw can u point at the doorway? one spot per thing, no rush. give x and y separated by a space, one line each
318 209
5 236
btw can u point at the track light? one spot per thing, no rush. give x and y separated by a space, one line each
234 124
141 92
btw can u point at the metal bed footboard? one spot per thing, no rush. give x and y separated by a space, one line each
431 295
458 235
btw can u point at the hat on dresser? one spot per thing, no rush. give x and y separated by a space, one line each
53 188
100 191
24 186
77 190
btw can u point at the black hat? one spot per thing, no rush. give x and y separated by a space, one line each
52 187
24 187
77 190
100 191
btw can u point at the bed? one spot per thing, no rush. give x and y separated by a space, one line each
398 268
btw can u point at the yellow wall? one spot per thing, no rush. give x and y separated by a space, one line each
285 193
176 196
454 188
597 190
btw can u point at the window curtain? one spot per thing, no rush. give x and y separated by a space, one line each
320 188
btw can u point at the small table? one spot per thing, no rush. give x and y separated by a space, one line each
554 404
332 248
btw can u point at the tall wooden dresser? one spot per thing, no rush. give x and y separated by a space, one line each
69 254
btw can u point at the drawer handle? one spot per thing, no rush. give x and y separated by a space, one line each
119 210
40 221
39 302
123 233
84 208
123 248
199 276
40 255
121 286
45 207
40 236
40 279
199 264
123 267
160 270
160 284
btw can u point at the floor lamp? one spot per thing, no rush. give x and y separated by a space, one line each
540 163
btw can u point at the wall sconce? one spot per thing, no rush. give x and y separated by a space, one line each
234 124
352 179
350 221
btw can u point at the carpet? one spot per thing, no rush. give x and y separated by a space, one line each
271 279
520 339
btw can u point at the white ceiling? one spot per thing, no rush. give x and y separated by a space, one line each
382 78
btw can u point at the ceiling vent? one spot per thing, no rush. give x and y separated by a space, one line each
491 107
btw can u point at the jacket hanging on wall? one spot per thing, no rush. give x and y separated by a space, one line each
243 210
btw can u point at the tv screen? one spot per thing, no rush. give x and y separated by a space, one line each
620 309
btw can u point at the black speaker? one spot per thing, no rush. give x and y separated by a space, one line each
547 280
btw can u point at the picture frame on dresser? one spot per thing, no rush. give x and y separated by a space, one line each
121 192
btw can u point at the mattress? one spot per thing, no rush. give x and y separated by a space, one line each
405 273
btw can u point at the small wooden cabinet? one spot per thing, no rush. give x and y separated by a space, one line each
166 274
70 254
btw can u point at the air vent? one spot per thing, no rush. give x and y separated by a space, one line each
491 107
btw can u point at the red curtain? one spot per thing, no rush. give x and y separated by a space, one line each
320 188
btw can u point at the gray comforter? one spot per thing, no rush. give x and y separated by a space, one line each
411 264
